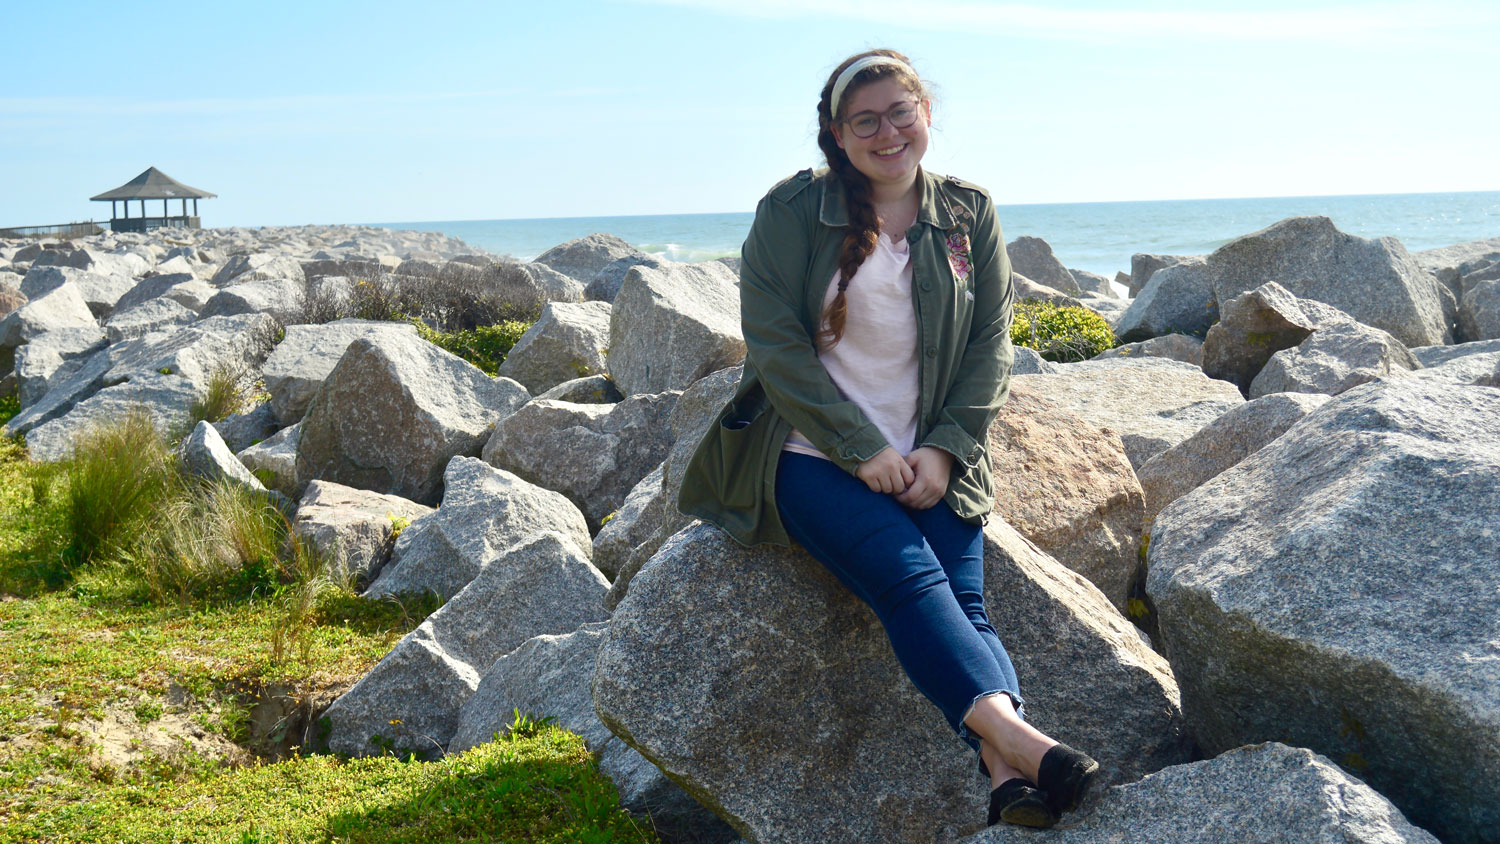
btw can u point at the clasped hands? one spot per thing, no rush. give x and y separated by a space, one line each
918 480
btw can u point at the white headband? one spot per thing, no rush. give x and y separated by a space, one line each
851 70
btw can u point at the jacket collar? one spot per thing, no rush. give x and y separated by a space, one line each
934 209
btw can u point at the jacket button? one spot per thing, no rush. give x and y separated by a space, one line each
932 351
926 285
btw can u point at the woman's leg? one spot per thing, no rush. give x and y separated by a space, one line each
871 543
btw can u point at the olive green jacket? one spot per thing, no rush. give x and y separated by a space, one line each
962 296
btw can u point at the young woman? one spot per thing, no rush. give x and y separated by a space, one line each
876 300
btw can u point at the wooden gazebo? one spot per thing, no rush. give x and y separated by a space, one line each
152 184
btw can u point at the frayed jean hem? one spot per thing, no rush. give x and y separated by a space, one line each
967 735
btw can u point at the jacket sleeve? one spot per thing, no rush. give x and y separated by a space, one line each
983 382
773 284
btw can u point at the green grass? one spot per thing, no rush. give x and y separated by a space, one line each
119 625
1060 333
485 346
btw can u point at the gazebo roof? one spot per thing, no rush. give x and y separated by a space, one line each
153 184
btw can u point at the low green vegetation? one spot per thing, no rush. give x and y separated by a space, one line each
485 346
1060 333
148 620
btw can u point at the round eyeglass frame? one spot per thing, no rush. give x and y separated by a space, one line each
916 113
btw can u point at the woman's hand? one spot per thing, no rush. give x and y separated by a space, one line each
886 472
932 467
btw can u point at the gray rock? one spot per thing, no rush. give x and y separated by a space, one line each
1179 347
483 509
1029 290
542 283
1093 283
1151 403
1479 315
1374 281
1481 370
595 389
193 295
99 291
258 266
1438 355
43 362
1113 310
1069 488
1033 258
1219 445
1333 359
1028 362
1337 590
159 314
308 353
673 325
274 460
165 398
11 298
203 454
568 341
248 427
697 409
353 527
1144 264
542 584
1257 324
61 307
394 411
634 523
1259 794
809 704
645 792
583 258
1446 262
591 453
283 298
1179 299
606 285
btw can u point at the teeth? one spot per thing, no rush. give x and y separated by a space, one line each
891 150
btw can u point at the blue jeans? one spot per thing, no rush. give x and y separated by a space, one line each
921 571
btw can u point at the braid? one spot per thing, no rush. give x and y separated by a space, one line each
864 225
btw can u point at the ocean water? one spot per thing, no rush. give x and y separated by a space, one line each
1096 236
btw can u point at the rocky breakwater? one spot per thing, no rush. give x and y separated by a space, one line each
1317 574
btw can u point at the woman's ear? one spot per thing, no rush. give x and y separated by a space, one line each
838 137
927 110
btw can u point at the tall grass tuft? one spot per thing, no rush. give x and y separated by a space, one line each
117 478
216 539
224 396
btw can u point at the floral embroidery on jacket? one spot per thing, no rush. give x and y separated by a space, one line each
958 255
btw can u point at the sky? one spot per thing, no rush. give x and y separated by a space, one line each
345 112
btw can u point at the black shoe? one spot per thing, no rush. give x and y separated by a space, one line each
1064 776
1017 801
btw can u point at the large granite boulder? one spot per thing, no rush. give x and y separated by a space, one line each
606 285
164 398
252 424
59 308
1338 590
551 676
1030 290
258 266
44 361
1333 359
307 353
568 341
584 257
283 298
1479 315
1375 281
204 455
273 460
483 509
1219 445
394 411
626 528
159 314
1180 347
1068 487
1430 356
1258 794
1482 370
1033 258
150 288
593 389
1151 403
1144 264
591 453
99 291
352 527
1450 263
538 283
672 325
1094 284
1179 299
541 584
814 733
1257 324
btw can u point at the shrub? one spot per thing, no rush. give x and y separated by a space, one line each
485 346
1060 333
455 297
117 477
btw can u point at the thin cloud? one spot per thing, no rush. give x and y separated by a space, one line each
1342 24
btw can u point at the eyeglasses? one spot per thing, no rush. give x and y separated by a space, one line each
901 115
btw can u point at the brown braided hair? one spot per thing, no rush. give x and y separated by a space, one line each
864 228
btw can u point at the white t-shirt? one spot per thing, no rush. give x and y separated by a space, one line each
875 364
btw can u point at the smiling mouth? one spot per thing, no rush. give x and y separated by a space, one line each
890 151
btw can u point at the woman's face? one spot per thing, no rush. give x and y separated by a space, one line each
890 156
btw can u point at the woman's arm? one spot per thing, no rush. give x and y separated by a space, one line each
983 381
773 279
